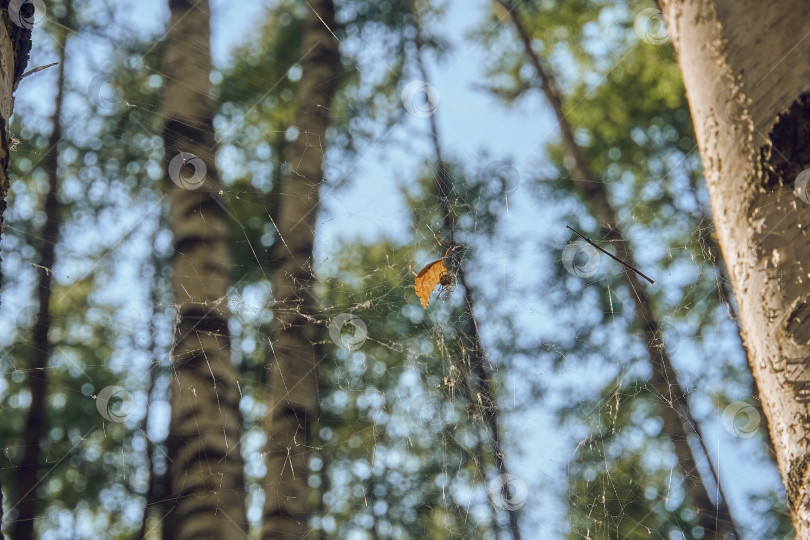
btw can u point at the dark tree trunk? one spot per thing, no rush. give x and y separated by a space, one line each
205 479
292 396
478 378
28 478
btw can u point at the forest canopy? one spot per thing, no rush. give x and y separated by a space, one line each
368 269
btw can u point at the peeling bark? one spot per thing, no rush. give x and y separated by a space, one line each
745 68
15 44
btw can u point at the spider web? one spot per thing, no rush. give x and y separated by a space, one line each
401 446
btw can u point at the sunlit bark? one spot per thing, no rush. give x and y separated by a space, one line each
745 67
15 43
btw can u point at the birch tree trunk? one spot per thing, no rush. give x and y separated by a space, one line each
205 478
746 70
292 395
15 43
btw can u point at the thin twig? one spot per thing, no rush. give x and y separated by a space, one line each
32 71
612 256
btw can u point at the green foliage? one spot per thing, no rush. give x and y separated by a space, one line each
626 104
400 445
92 467
618 489
386 405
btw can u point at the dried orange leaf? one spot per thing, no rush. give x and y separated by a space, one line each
427 279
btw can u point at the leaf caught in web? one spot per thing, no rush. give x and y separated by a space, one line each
427 279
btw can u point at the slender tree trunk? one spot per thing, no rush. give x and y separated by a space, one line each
15 43
152 494
156 490
322 490
679 424
477 359
292 395
27 480
205 477
744 65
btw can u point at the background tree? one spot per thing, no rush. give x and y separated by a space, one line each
475 377
205 477
628 140
76 477
28 479
679 423
294 353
